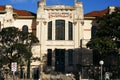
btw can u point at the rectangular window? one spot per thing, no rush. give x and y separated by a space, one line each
70 57
70 30
50 30
60 30
60 60
49 57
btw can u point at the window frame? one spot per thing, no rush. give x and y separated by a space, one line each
60 29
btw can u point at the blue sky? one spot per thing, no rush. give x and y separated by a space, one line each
88 5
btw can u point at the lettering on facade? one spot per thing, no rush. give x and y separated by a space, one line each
60 14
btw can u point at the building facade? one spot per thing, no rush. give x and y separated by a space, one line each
18 18
59 31
63 32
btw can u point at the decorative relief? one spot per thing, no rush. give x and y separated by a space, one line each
82 22
7 20
60 14
75 22
44 22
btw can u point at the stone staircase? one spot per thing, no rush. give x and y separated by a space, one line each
57 77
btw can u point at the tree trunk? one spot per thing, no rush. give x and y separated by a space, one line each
28 69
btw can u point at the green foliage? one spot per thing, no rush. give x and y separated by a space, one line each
107 36
15 44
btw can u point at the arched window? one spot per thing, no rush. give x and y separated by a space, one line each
25 28
70 31
60 30
50 30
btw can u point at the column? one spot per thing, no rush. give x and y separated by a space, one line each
66 30
53 30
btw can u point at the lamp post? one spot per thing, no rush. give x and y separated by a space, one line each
101 63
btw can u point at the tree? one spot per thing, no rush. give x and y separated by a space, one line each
106 43
15 46
107 36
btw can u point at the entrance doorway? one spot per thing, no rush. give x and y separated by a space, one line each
36 73
60 60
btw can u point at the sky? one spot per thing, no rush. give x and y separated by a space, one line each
88 5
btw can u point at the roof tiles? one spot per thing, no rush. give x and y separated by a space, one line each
2 8
23 12
96 13
19 12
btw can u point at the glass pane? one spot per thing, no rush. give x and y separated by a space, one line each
70 29
70 57
60 30
49 57
50 30
25 28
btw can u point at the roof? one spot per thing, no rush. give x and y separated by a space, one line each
2 8
19 12
23 12
96 13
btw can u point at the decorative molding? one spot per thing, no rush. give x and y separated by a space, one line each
37 22
75 23
82 22
44 22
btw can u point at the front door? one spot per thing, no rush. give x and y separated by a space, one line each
60 60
